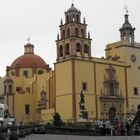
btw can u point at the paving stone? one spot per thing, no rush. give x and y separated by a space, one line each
73 137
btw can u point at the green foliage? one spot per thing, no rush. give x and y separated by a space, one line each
57 120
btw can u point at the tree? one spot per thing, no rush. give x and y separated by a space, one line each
57 119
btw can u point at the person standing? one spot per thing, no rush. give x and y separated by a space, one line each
136 117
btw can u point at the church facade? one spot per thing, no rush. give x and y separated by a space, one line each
34 92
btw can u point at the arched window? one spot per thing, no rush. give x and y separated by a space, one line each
82 32
67 19
77 18
73 18
111 86
5 89
10 89
61 51
63 34
86 48
76 32
25 73
67 49
68 32
78 47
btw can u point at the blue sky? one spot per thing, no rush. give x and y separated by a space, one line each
40 19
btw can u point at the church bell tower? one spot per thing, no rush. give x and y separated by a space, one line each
73 40
127 31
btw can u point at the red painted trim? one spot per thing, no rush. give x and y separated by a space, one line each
55 88
126 87
49 93
73 91
33 71
13 105
96 100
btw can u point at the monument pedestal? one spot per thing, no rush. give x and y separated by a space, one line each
82 120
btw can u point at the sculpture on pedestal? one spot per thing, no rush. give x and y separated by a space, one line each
83 112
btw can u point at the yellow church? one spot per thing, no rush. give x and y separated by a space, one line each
34 92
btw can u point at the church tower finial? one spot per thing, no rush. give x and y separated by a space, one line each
126 9
29 48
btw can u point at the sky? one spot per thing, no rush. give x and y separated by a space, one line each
40 19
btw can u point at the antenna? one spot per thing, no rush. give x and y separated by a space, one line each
126 9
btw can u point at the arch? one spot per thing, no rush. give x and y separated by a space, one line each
10 89
61 51
78 47
63 33
86 48
112 114
77 18
67 19
73 17
5 89
68 32
82 32
67 49
76 32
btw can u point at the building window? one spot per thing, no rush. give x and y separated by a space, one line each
86 48
5 89
78 47
61 51
27 109
18 89
76 32
10 89
63 34
83 32
111 85
67 49
28 89
68 32
25 73
135 91
77 18
84 86
40 71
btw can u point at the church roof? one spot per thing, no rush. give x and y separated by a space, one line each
72 8
29 61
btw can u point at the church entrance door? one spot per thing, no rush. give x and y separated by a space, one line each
112 114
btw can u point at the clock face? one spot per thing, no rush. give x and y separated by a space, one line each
133 58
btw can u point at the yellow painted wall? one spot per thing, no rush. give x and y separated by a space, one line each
37 83
63 73
84 72
47 115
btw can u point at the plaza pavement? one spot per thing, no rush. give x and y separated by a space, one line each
73 137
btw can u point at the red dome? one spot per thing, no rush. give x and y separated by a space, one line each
29 61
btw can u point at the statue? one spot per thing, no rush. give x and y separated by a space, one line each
83 112
82 97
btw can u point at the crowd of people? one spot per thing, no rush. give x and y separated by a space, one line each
117 128
106 128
